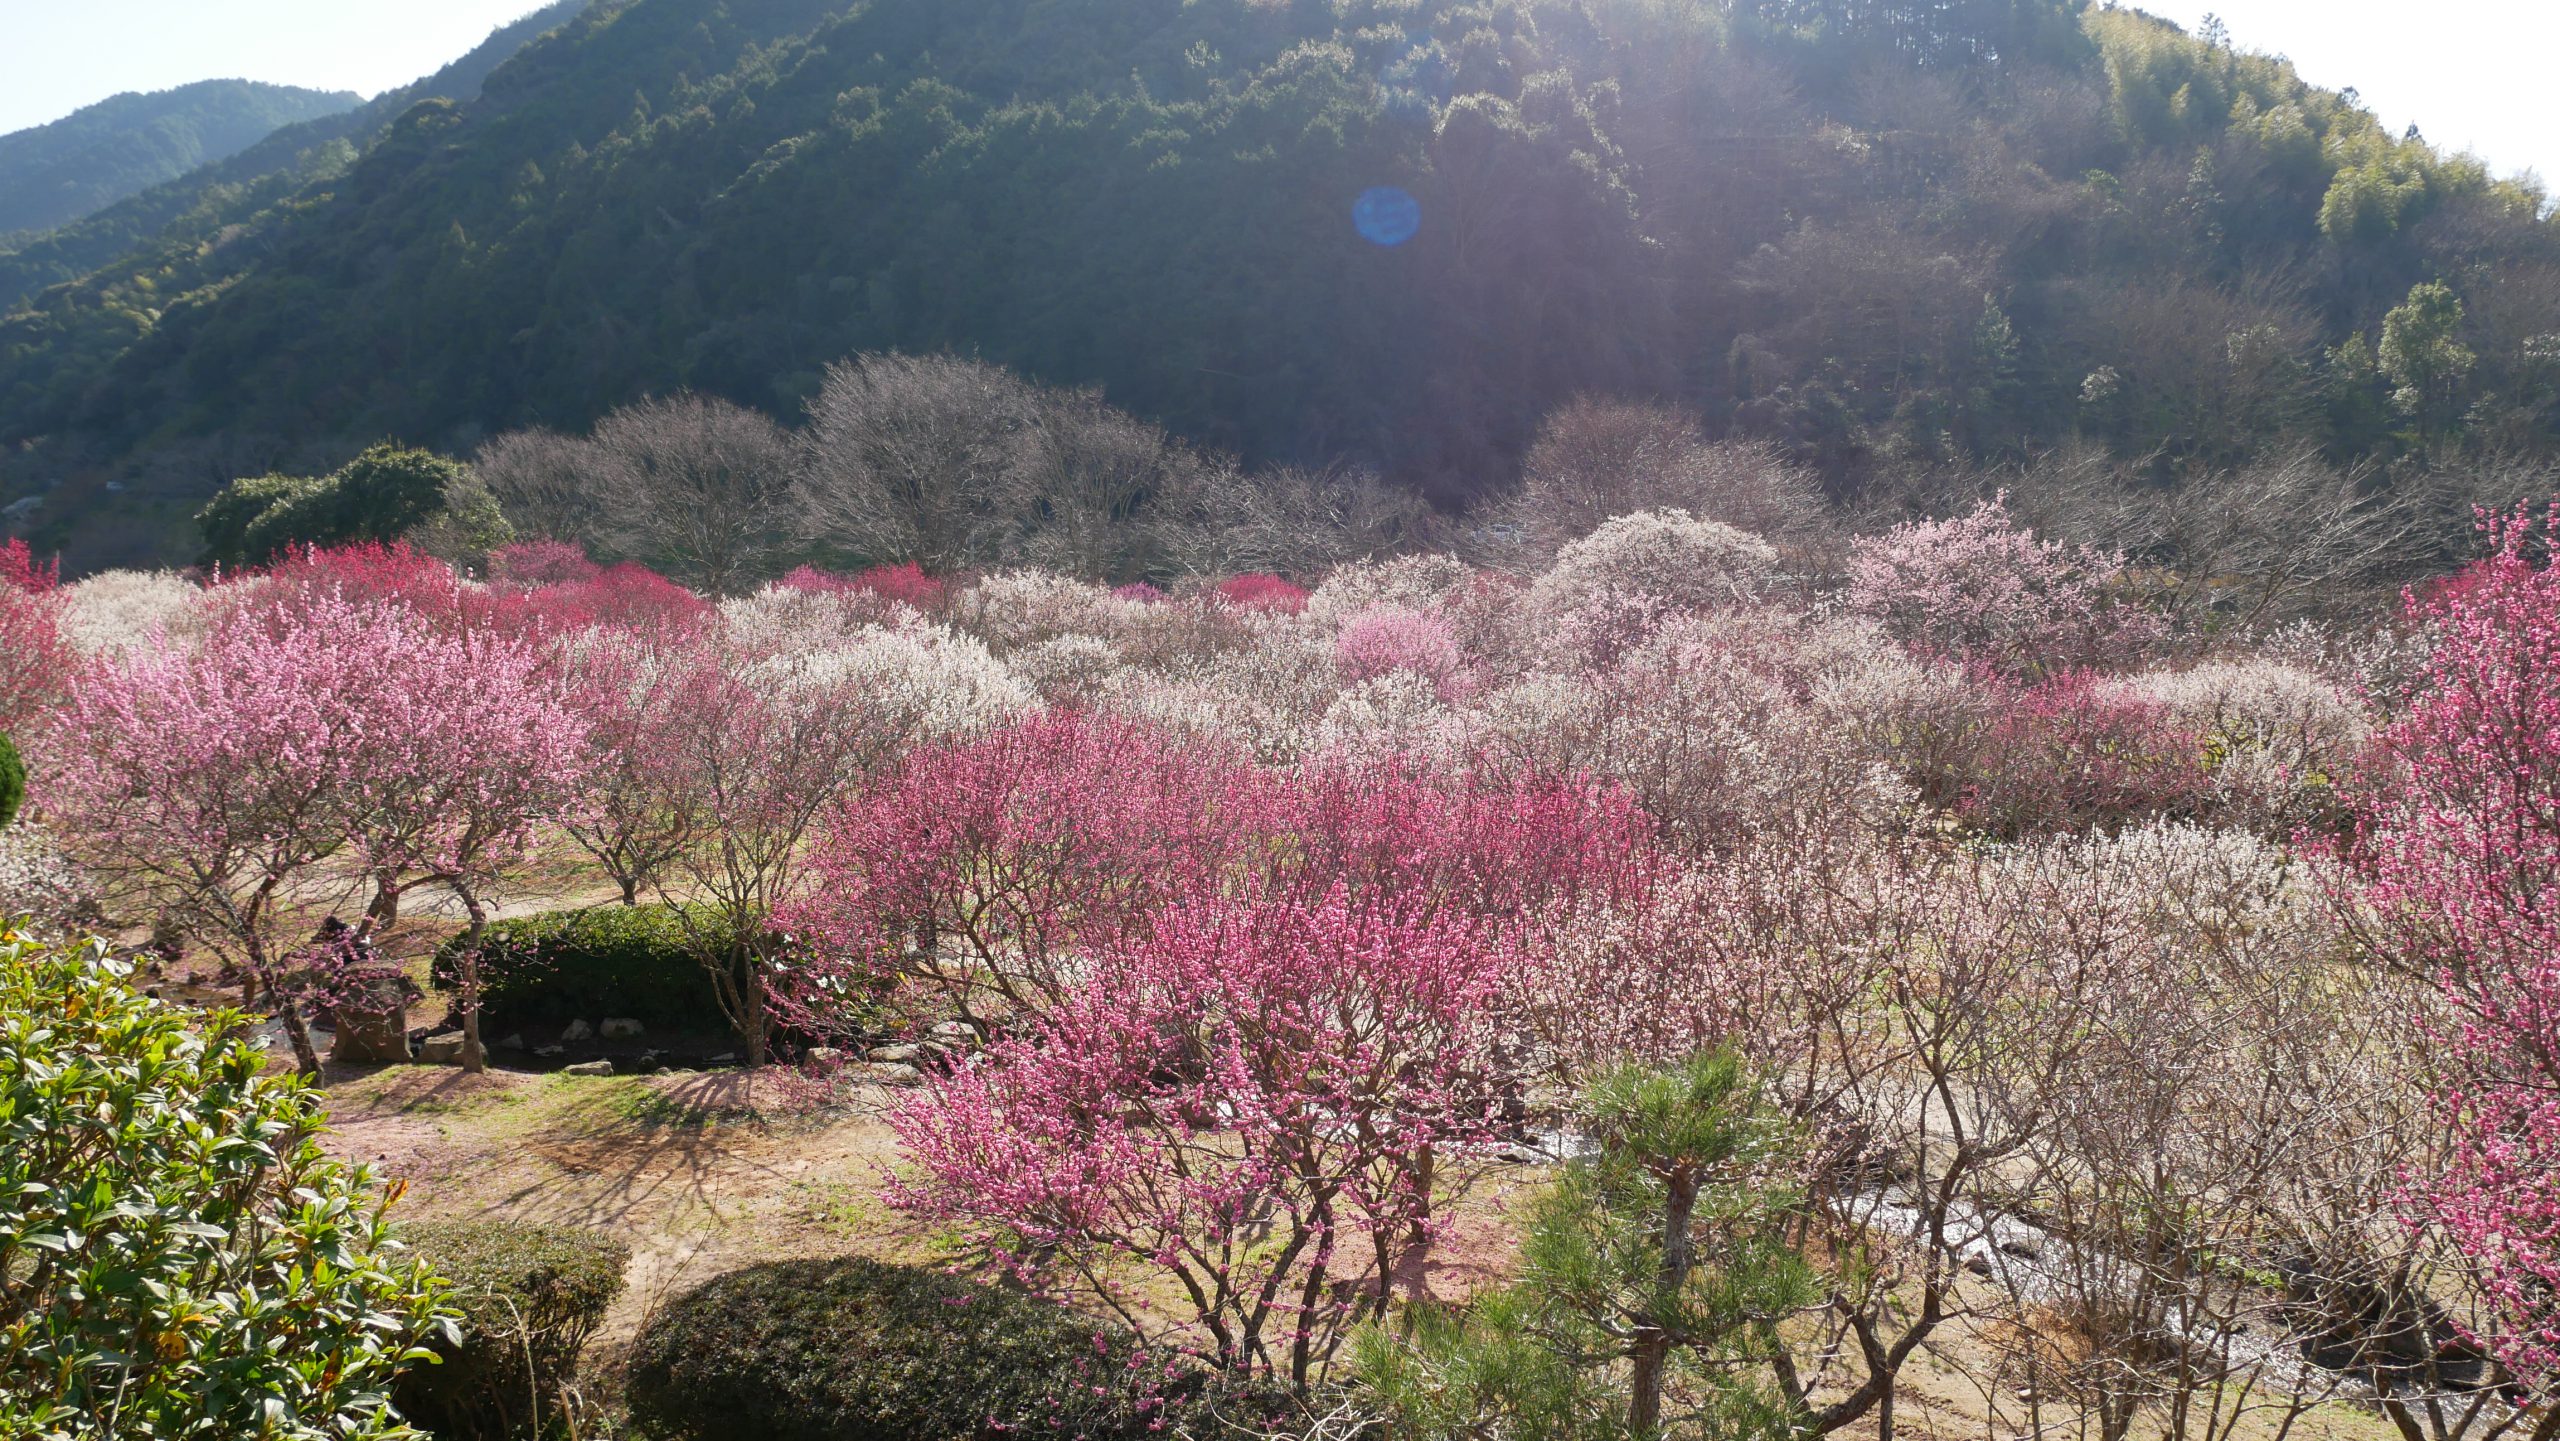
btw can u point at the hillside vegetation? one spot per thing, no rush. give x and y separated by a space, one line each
1893 239
99 154
195 209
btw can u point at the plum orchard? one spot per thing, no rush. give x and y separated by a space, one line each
1281 912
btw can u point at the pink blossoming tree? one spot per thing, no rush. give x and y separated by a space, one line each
1029 852
221 782
475 752
762 744
36 661
640 810
1249 1099
2462 856
1980 588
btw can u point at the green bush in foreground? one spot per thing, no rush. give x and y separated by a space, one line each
530 1297
181 1259
562 966
825 1350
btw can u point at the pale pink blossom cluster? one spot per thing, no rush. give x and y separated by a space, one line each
1981 588
118 611
1686 561
39 885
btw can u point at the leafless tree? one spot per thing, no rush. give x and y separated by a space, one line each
1292 520
2252 545
551 486
1595 459
1930 1078
2234 1086
701 487
1104 492
920 458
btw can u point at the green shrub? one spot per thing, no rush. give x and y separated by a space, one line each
242 507
562 966
380 495
530 1297
826 1350
182 1259
13 781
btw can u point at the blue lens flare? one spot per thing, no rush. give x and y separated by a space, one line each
1387 215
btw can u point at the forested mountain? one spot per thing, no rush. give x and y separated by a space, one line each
197 205
99 154
1887 234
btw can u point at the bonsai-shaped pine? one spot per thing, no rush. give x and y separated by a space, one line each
1653 1279
13 782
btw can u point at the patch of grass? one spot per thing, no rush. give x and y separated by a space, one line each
855 1210
842 1206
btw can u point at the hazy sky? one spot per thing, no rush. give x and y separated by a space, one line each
2475 74
2472 74
58 55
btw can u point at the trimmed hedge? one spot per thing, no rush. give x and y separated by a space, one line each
13 781
857 1350
530 1297
563 966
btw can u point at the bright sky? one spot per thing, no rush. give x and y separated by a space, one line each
2472 75
58 55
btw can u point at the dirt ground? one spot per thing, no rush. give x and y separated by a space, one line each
703 1173
699 1173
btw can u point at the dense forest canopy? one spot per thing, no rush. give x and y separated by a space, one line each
1891 238
97 155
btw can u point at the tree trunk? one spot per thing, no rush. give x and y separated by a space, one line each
475 1059
1652 1352
262 976
304 1054
758 1024
1425 1167
384 913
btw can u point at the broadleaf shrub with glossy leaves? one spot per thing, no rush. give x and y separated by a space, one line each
182 1257
381 495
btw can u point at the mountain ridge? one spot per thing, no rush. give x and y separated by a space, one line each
231 189
57 172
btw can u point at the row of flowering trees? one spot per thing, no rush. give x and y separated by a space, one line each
1285 911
